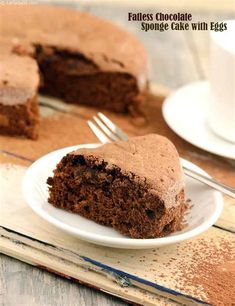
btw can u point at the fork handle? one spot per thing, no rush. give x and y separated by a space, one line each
210 182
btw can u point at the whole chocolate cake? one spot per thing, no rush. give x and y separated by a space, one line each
82 59
136 187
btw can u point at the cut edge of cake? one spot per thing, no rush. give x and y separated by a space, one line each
19 82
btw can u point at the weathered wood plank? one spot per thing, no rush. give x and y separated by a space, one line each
62 266
227 218
26 285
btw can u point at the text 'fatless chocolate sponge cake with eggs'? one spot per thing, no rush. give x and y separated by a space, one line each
82 58
136 187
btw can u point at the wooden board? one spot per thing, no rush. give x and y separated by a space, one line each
147 277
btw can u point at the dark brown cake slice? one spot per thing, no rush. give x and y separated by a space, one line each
19 81
136 186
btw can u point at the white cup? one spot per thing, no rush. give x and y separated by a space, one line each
221 113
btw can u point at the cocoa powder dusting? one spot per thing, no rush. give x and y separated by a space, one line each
212 271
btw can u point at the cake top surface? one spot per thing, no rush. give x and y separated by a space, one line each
107 45
152 158
19 77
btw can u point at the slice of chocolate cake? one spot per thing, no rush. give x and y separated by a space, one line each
19 81
136 187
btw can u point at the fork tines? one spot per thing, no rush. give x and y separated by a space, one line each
105 129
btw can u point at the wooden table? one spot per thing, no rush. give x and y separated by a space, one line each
176 58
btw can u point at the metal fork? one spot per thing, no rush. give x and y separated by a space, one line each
106 131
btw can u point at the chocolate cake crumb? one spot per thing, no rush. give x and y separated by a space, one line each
119 185
66 75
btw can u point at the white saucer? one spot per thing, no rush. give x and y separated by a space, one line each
185 112
207 206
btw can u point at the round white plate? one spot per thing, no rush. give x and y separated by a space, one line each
185 112
207 206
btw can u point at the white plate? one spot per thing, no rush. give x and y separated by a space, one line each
207 206
185 112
